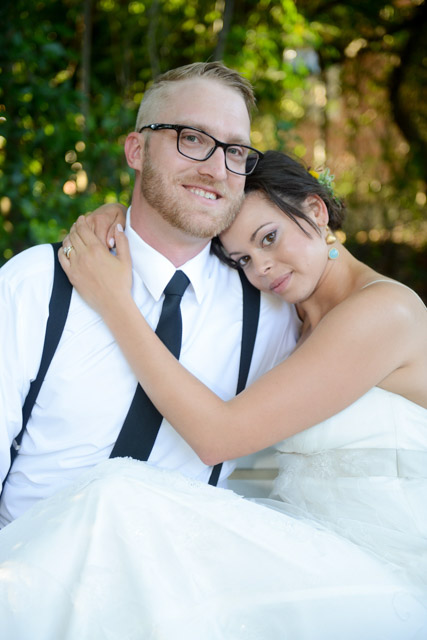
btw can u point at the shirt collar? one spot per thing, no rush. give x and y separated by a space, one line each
156 270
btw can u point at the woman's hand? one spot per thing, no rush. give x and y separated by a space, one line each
103 222
101 278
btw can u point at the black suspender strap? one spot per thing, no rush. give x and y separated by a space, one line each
58 311
251 308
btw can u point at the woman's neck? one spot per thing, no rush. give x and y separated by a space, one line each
339 280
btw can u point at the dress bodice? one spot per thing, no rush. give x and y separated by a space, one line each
379 419
363 473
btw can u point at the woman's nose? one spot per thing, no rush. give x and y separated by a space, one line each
262 264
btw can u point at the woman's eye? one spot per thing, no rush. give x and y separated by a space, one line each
268 239
243 261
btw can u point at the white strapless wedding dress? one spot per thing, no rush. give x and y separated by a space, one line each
137 553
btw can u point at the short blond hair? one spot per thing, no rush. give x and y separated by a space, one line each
211 70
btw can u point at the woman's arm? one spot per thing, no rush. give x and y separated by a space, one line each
355 347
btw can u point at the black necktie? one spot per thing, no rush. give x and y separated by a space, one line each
142 423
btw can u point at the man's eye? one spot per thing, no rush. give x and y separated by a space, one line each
190 138
268 239
236 152
243 261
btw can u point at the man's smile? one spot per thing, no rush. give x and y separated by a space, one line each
209 195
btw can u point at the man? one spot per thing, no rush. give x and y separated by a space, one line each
181 199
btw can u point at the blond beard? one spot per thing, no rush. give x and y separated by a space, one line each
196 222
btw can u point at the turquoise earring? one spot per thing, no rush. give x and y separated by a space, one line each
330 239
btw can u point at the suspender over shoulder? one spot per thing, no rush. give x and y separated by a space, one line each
58 310
251 307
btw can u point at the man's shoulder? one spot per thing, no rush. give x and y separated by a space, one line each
275 305
29 273
33 262
278 314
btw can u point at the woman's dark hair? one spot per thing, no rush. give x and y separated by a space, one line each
287 183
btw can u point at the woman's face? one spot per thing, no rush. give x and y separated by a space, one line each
275 254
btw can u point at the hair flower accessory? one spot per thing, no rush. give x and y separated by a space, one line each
325 178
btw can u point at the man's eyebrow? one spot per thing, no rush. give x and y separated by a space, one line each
252 238
236 140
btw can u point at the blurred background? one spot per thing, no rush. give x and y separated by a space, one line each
339 84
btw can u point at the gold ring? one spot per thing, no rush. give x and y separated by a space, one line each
67 251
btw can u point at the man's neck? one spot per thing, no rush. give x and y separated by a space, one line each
174 244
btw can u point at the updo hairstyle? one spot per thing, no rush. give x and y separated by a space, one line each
287 183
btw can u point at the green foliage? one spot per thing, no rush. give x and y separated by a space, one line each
42 126
397 260
73 72
61 147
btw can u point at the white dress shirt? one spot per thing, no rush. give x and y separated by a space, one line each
89 386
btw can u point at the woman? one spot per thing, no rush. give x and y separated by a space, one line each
343 553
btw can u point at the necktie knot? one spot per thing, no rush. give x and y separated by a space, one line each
177 284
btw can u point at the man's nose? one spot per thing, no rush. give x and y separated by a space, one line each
215 165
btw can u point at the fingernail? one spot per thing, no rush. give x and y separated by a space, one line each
119 227
111 243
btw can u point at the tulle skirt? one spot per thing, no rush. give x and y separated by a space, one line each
132 552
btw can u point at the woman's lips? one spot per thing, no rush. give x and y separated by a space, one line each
279 284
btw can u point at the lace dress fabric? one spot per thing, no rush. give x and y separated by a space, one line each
132 552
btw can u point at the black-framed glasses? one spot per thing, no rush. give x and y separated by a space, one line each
198 145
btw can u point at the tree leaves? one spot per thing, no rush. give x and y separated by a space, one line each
64 114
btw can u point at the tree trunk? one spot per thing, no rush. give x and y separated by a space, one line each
223 34
151 38
86 59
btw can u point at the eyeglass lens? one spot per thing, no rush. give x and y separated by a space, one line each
198 146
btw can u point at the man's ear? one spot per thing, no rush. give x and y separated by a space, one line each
134 150
317 210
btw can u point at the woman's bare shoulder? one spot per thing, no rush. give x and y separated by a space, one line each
402 291
381 294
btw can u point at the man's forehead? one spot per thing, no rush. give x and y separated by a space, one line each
208 104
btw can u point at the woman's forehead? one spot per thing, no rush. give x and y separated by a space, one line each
256 208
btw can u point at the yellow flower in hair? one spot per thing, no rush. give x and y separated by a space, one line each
314 174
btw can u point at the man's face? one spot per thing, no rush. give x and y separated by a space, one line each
199 198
